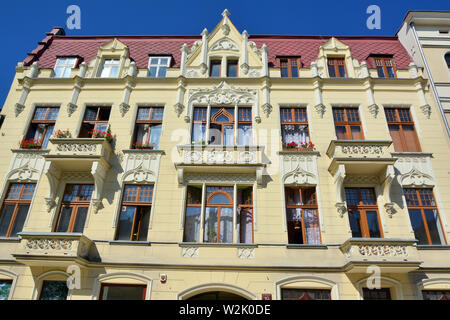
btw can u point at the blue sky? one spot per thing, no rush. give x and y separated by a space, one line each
23 23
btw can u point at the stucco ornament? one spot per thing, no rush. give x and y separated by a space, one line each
225 44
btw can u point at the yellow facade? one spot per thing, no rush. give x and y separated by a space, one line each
269 264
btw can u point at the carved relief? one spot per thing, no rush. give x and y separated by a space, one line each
299 169
224 44
383 250
48 244
189 252
246 253
140 166
362 149
414 170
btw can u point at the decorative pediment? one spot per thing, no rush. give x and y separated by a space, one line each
112 49
416 178
334 48
333 44
113 45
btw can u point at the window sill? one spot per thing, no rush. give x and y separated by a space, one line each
214 244
433 247
420 154
129 243
12 239
306 246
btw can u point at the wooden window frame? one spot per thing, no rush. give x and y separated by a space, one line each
400 124
201 122
348 124
362 208
244 122
103 285
303 207
192 205
247 206
336 63
289 65
95 122
293 122
384 65
44 122
16 202
219 206
148 122
75 204
421 207
139 206
222 111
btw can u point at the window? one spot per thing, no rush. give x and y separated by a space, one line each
221 130
244 126
135 213
95 118
347 124
157 66
215 66
64 66
122 292
232 68
294 126
15 208
54 290
289 67
74 208
424 216
363 213
336 68
110 68
148 127
377 294
305 294
401 128
42 125
447 60
385 67
436 294
5 288
219 208
302 215
199 125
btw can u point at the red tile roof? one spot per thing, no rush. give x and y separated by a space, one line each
140 47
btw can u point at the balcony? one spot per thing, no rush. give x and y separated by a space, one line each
368 157
220 159
391 255
54 249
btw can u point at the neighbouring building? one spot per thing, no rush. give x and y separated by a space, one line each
220 166
426 36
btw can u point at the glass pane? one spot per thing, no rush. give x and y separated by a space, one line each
215 68
86 192
144 219
155 134
341 132
192 224
146 194
194 195
90 114
162 72
80 219
20 219
368 196
312 230
434 227
40 113
372 223
130 193
331 71
152 72
380 72
5 218
157 113
391 72
14 191
410 138
219 199
292 196
376 294
232 69
294 72
294 226
245 134
294 133
210 233
123 292
54 290
126 223
226 225
245 217
64 220
5 287
198 133
355 225
59 72
418 226
53 114
342 71
356 133
143 114
394 130
114 71
47 136
352 196
305 294
228 135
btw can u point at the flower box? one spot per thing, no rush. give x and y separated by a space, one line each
147 146
61 134
102 134
304 146
30 144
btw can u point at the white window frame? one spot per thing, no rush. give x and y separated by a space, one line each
64 66
158 65
108 64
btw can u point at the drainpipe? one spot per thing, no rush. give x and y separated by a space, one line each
431 78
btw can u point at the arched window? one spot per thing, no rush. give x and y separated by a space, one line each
222 126
219 215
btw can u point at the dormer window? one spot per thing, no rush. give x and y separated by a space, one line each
64 66
336 68
157 66
289 67
385 67
232 68
110 68
214 69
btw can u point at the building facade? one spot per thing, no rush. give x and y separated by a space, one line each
223 166
426 36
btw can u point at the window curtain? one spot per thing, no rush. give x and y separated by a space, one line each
245 225
294 133
312 230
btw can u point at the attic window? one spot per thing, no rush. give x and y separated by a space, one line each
289 67
110 68
385 66
64 66
157 66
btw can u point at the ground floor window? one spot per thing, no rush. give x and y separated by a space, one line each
5 287
436 294
305 294
376 294
54 290
122 292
